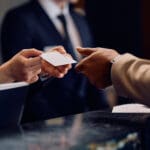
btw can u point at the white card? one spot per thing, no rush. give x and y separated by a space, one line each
131 108
57 59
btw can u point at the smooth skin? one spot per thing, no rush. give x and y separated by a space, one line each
96 65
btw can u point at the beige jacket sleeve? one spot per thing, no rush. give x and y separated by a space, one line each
131 78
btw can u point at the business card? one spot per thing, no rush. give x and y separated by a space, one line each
57 59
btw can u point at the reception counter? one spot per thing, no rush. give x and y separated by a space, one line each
87 131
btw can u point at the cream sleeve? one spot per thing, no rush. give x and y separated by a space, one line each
131 78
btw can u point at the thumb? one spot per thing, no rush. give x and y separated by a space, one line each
31 53
59 49
85 51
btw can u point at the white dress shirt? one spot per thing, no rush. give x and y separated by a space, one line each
53 11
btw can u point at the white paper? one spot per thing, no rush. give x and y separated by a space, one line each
57 59
7 86
131 108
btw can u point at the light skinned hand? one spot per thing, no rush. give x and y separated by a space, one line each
96 65
24 66
52 71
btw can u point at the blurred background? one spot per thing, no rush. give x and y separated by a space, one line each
5 5
123 25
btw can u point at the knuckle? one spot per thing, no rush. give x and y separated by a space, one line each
33 49
61 47
24 50
38 71
24 64
65 71
56 74
35 78
61 75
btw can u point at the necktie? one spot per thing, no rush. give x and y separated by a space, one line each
66 38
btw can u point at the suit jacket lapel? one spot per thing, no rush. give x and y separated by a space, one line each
46 22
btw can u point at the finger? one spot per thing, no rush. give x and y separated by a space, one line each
56 73
59 49
47 66
68 66
68 55
79 67
86 51
30 53
35 70
82 65
34 61
51 70
64 68
60 75
33 79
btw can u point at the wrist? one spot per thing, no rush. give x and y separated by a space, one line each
115 59
6 73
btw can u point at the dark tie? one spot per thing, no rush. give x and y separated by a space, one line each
66 38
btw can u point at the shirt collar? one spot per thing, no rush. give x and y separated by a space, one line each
52 9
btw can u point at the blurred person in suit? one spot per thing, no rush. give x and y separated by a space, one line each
44 24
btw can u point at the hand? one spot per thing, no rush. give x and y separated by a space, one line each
96 66
52 71
24 66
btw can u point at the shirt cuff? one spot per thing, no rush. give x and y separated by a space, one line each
114 60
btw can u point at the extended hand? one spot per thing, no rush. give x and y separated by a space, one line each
24 66
52 71
96 65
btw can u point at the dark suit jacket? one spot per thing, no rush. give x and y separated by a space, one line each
29 27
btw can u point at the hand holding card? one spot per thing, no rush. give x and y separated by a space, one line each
56 63
57 59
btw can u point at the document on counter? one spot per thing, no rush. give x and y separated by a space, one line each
57 59
131 108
